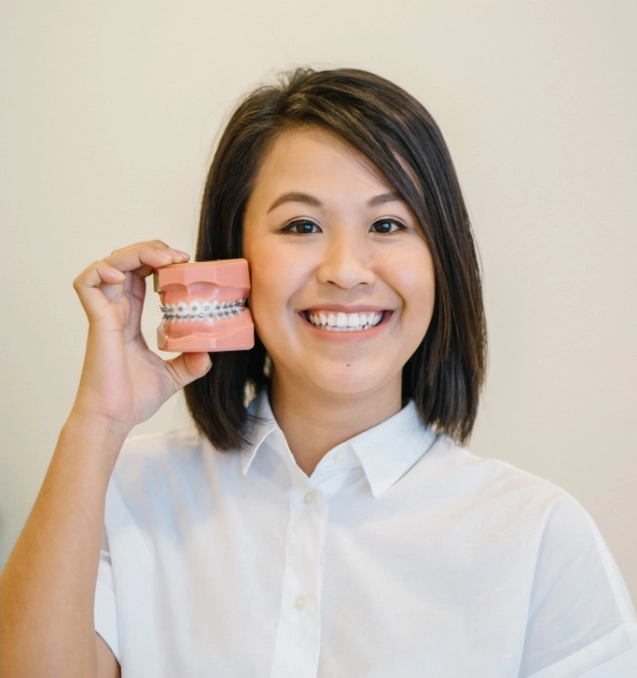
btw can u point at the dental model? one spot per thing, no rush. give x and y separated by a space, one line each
203 306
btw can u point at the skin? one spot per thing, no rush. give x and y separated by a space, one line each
338 252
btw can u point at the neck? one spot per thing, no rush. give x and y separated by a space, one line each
314 421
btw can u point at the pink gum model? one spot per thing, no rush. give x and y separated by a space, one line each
203 306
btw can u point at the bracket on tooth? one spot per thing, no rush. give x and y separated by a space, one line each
214 310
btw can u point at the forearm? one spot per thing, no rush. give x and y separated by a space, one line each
47 588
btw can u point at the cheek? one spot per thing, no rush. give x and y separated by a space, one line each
263 298
274 284
262 271
412 276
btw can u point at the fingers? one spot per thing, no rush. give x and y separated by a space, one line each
142 258
123 270
187 367
89 284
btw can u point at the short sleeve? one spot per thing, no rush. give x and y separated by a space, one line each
581 621
105 605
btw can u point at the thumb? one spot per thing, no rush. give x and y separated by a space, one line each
187 367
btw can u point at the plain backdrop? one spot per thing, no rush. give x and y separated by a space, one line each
110 114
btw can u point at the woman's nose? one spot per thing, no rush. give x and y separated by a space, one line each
347 262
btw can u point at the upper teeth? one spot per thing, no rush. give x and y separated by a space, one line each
344 322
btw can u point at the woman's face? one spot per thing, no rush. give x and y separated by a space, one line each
331 247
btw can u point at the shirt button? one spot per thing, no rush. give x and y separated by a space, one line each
308 498
299 603
339 457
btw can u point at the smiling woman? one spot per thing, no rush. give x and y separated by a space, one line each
333 525
377 284
357 174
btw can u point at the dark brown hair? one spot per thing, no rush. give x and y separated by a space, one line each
400 138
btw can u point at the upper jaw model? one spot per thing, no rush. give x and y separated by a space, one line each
203 306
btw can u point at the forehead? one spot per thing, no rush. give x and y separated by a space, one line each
316 156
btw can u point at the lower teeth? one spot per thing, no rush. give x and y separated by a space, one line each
347 328
331 328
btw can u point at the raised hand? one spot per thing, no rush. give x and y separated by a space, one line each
123 381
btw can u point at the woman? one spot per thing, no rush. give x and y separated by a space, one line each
334 527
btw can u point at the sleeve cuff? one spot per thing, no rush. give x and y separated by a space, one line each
106 618
613 656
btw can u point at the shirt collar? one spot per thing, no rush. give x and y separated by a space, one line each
386 452
262 425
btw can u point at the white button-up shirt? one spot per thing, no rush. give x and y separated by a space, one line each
402 555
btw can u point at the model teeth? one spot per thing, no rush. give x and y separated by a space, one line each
202 310
344 322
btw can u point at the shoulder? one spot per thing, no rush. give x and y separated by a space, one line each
564 536
145 457
147 445
502 501
157 474
488 481
579 611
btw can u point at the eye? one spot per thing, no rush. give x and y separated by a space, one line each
386 226
301 227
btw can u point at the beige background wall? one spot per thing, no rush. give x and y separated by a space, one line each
109 114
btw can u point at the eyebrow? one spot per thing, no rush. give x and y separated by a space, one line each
297 196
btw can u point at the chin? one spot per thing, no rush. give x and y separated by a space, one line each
348 381
342 375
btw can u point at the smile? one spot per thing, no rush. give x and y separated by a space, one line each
344 322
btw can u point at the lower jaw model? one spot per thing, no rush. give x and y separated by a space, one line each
203 306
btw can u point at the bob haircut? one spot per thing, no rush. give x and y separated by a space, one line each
400 138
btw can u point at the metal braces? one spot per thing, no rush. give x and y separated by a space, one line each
214 311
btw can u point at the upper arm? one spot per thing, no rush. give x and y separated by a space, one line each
580 614
107 665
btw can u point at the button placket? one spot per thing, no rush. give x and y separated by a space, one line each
297 643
